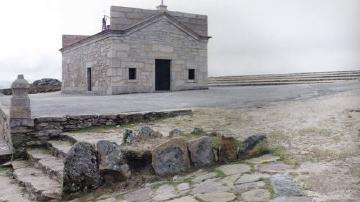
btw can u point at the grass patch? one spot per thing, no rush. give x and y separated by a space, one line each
120 197
219 173
269 188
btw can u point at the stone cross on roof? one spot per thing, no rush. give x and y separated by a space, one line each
162 7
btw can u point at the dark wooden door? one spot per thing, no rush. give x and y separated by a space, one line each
162 75
88 75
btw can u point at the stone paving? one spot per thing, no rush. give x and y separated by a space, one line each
57 104
242 181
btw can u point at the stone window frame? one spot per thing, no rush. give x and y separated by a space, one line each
195 80
136 76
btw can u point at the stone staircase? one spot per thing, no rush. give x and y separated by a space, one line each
284 79
41 174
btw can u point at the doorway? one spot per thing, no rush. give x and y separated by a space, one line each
88 75
162 75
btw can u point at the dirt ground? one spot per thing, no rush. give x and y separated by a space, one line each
320 136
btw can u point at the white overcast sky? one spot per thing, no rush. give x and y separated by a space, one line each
249 36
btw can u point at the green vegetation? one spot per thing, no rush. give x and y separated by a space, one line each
219 173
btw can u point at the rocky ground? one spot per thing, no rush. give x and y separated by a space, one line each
315 152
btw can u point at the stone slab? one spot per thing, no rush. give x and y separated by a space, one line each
284 185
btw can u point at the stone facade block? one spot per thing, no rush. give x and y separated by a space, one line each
175 36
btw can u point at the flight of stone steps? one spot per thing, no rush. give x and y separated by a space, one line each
284 79
41 174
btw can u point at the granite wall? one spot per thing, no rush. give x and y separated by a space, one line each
94 55
140 50
5 127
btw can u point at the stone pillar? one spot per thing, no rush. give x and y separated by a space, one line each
21 124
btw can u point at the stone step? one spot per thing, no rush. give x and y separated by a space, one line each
60 148
5 154
50 165
40 186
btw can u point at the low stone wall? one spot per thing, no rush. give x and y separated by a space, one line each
47 127
5 127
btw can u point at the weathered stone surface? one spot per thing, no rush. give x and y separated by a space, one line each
201 152
246 178
253 146
284 185
81 169
228 149
230 180
217 197
235 169
209 186
276 167
112 164
184 199
183 186
267 158
239 188
129 136
165 192
291 199
203 177
145 133
256 195
176 133
40 186
171 157
143 194
50 165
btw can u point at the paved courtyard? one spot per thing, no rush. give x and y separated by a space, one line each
57 104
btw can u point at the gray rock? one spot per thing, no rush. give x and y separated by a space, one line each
165 192
81 169
112 165
171 158
291 199
284 185
217 197
228 149
129 136
203 177
147 133
140 195
209 186
176 133
253 146
256 195
273 168
184 199
248 186
235 169
201 153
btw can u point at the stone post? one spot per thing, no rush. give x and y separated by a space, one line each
21 124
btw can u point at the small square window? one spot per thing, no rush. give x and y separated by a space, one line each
191 74
132 73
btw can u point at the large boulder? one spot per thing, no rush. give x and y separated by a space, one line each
112 165
201 151
228 149
81 169
253 146
171 157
